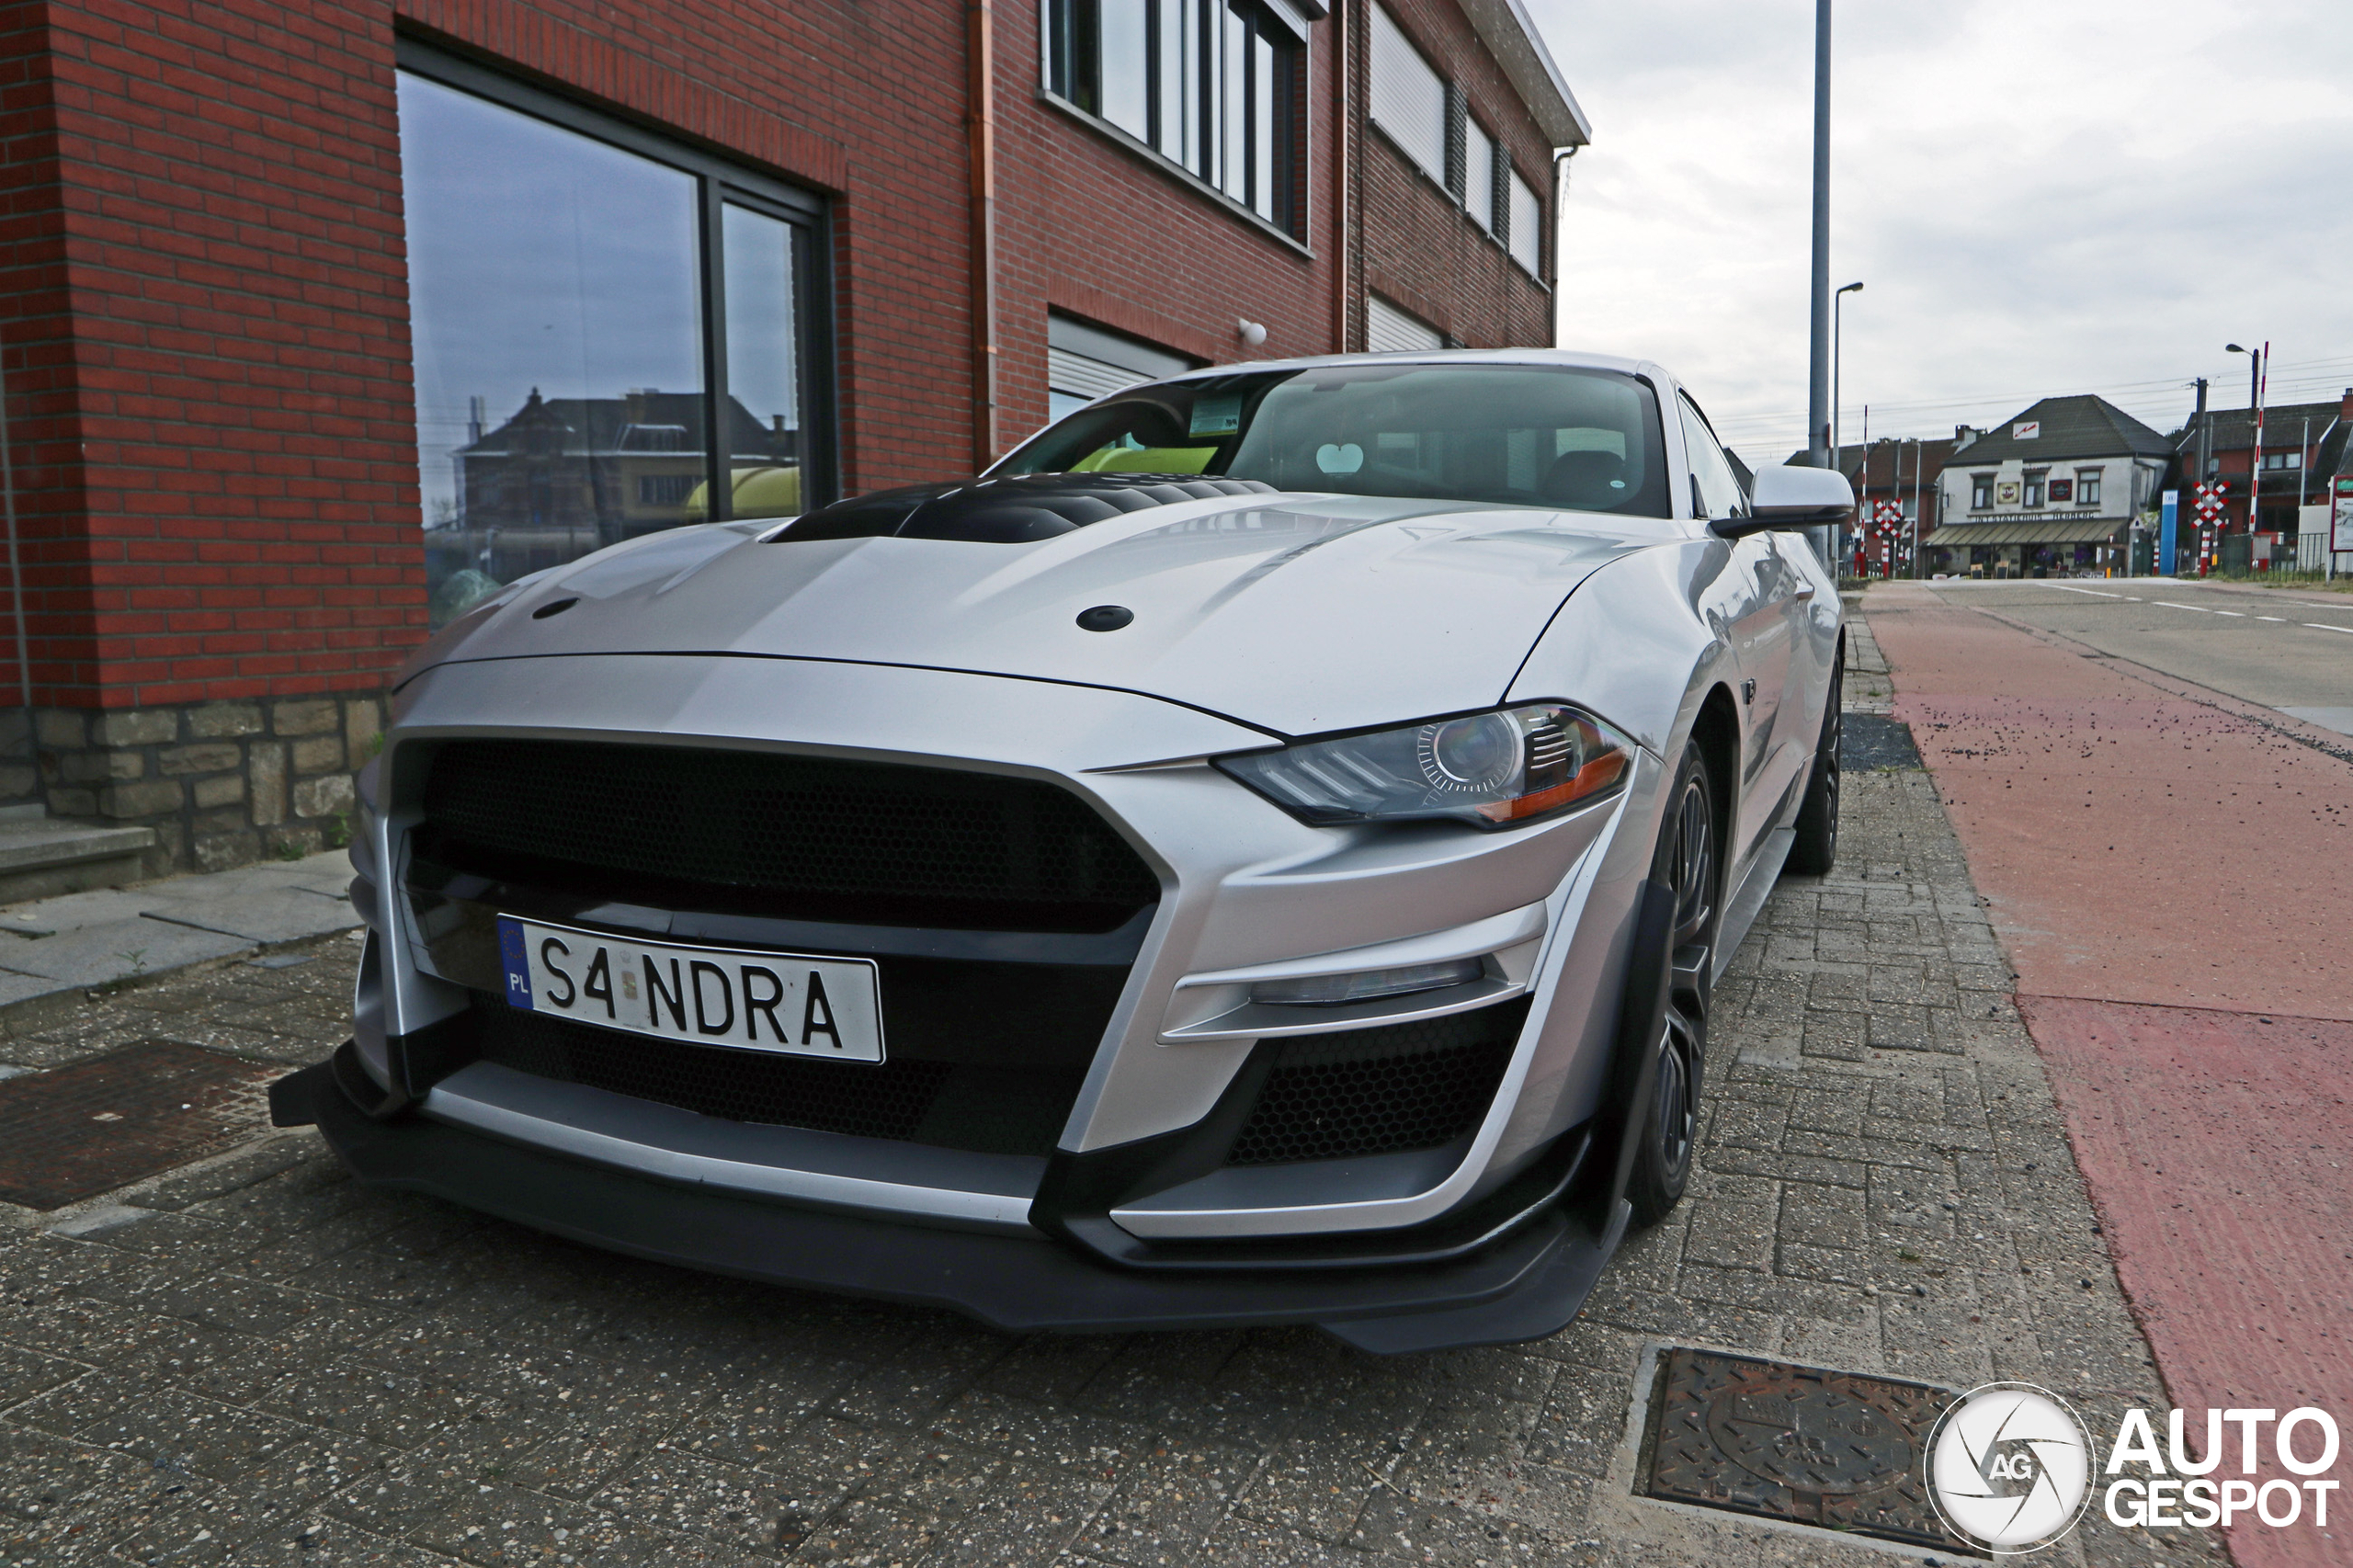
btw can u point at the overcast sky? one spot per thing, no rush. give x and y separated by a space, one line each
2041 196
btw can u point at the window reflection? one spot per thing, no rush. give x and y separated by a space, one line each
555 319
558 316
763 363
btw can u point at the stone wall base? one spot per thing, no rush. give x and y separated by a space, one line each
222 784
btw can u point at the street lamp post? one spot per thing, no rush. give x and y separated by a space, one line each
1817 388
1838 457
1818 435
1837 309
2256 359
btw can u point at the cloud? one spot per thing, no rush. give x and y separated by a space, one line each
2042 195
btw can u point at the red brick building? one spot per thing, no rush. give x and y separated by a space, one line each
2304 445
1896 480
323 317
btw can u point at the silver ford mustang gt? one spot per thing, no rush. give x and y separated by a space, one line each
1260 853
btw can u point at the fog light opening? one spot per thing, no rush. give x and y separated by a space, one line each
1330 989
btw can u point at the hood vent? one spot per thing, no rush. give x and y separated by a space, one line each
1022 509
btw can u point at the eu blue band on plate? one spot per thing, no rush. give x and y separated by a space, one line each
519 964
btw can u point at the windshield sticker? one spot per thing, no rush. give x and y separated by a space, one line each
1217 415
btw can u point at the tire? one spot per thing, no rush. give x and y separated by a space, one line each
1816 849
1690 862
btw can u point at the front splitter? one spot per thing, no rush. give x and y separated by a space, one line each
1527 1286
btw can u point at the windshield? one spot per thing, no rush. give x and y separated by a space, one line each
1518 435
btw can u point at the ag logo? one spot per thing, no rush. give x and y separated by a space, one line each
2010 1468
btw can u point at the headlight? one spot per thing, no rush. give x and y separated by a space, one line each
1490 769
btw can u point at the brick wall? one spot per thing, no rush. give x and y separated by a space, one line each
234 512
1421 249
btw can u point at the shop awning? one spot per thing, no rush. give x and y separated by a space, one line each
2033 530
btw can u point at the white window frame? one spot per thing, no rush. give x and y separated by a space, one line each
1408 97
1479 151
1526 238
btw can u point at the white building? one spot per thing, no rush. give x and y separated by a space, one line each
2054 488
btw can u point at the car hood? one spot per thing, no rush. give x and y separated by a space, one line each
1296 614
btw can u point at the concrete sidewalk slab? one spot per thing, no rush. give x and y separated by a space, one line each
116 950
261 914
52 949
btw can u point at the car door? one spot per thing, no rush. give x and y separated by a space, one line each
1758 586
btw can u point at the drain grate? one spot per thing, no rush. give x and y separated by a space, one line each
76 1131
1798 1444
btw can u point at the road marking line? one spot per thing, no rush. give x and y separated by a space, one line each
2094 592
2201 609
2316 626
2280 618
2234 615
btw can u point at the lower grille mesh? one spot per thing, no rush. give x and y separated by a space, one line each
1380 1091
947 1105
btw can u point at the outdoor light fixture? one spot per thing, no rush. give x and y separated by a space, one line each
1250 331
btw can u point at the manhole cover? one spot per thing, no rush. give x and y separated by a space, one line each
77 1132
1795 1443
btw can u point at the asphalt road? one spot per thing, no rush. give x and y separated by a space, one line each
2282 648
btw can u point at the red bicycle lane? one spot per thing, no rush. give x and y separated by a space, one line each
2171 873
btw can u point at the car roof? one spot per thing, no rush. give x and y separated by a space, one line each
1570 358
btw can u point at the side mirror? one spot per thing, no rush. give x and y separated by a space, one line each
1792 498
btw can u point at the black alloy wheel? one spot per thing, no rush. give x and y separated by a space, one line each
1690 867
1815 848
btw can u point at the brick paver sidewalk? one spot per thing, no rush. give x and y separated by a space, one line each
253 1362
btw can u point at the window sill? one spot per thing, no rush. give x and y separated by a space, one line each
1162 164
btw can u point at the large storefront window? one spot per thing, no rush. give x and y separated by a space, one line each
610 336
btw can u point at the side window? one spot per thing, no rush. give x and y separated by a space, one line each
1720 491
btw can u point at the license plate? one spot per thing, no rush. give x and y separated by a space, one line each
790 1004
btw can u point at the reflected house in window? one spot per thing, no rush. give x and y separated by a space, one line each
564 476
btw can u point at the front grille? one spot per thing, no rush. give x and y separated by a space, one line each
1380 1091
805 838
949 1105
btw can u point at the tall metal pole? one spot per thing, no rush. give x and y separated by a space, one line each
1818 414
1919 465
1837 455
2205 457
1817 402
2255 470
2205 433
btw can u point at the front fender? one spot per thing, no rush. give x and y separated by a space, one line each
1641 645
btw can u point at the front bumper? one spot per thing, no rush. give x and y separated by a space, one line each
1247 894
1528 1283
